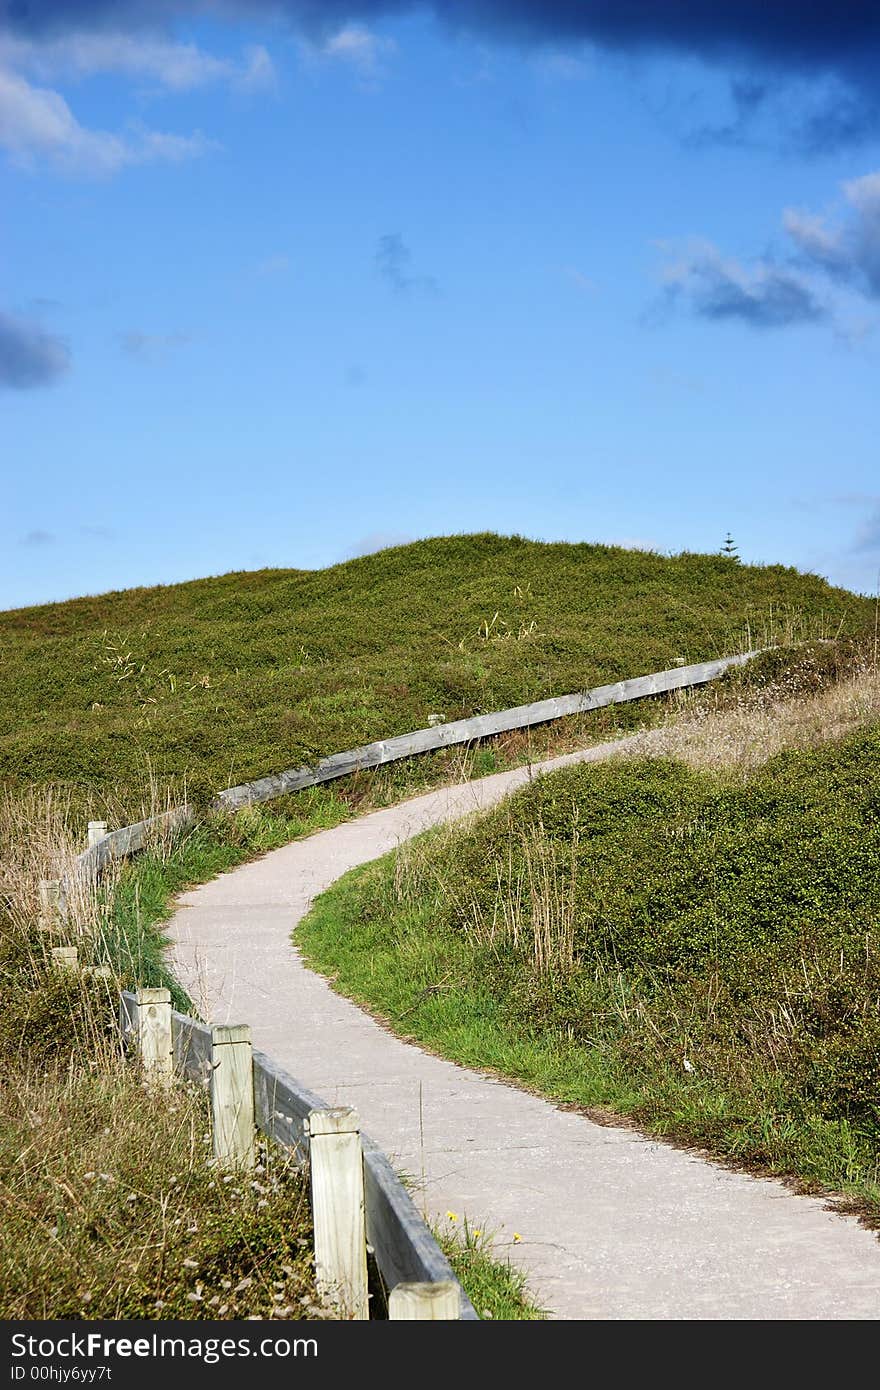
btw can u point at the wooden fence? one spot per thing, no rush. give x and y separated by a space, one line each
118 844
358 1201
468 730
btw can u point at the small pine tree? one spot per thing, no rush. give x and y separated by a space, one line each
729 548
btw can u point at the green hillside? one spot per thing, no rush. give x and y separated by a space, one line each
701 954
228 678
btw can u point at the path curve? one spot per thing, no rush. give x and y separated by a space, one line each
613 1225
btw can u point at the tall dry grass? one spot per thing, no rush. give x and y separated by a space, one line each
109 1204
733 740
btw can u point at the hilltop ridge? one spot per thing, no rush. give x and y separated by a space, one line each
226 678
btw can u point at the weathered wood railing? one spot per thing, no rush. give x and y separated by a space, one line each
468 730
118 844
357 1198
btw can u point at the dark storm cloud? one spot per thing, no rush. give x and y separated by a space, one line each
28 355
786 35
838 42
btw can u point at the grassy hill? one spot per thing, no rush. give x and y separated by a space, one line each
228 678
700 952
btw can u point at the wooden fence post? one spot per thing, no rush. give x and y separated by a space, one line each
97 831
65 957
336 1166
232 1096
153 1034
50 904
425 1302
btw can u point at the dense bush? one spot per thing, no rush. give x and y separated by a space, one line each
704 953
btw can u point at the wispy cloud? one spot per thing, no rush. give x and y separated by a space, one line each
366 52
830 50
761 294
29 356
830 272
393 261
150 347
38 538
848 248
37 124
178 67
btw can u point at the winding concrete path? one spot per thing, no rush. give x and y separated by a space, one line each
613 1225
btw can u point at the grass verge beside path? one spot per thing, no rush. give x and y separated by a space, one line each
496 1289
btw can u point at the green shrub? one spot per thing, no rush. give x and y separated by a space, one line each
700 953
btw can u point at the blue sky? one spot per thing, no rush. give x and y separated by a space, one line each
280 283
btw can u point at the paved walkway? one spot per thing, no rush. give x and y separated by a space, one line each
613 1225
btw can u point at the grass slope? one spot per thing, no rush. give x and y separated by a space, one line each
698 952
224 679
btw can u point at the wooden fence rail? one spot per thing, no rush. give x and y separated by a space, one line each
358 1201
118 844
468 730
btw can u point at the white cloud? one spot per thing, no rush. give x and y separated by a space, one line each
36 123
848 249
359 47
176 66
762 293
259 72
812 235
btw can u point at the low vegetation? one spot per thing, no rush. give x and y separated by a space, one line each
495 1286
110 1205
111 1210
213 682
690 941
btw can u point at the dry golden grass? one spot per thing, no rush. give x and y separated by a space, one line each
110 1208
735 739
109 1204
